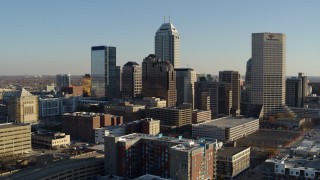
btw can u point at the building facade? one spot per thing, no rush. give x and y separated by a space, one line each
167 44
86 85
119 81
130 112
136 154
232 162
199 116
82 125
23 107
159 79
63 80
225 129
214 96
268 71
172 118
185 78
50 140
103 72
14 139
131 80
232 80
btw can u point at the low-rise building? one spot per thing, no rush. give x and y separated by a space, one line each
293 168
14 139
151 102
307 148
232 162
172 118
130 112
50 140
199 116
145 126
81 125
225 129
100 133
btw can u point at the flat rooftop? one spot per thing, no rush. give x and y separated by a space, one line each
181 144
226 122
10 125
230 151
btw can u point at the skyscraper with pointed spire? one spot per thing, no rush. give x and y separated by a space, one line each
167 44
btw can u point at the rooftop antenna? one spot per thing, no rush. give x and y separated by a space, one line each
169 17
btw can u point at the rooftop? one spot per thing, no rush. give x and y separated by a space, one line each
226 122
180 143
167 27
230 151
10 125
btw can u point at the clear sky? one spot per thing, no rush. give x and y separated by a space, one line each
50 37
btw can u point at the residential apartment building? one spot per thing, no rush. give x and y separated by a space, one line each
136 154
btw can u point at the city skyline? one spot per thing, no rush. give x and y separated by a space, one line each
50 38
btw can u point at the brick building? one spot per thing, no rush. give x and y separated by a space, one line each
81 125
135 154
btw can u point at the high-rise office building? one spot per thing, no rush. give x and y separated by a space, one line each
185 78
131 80
118 81
296 90
103 72
86 85
159 79
167 44
63 80
214 96
246 91
232 80
268 71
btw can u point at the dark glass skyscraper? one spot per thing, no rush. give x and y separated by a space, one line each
103 72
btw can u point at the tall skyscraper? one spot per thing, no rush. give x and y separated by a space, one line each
232 80
296 90
131 80
63 80
167 44
268 71
185 78
119 83
214 96
103 72
159 79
